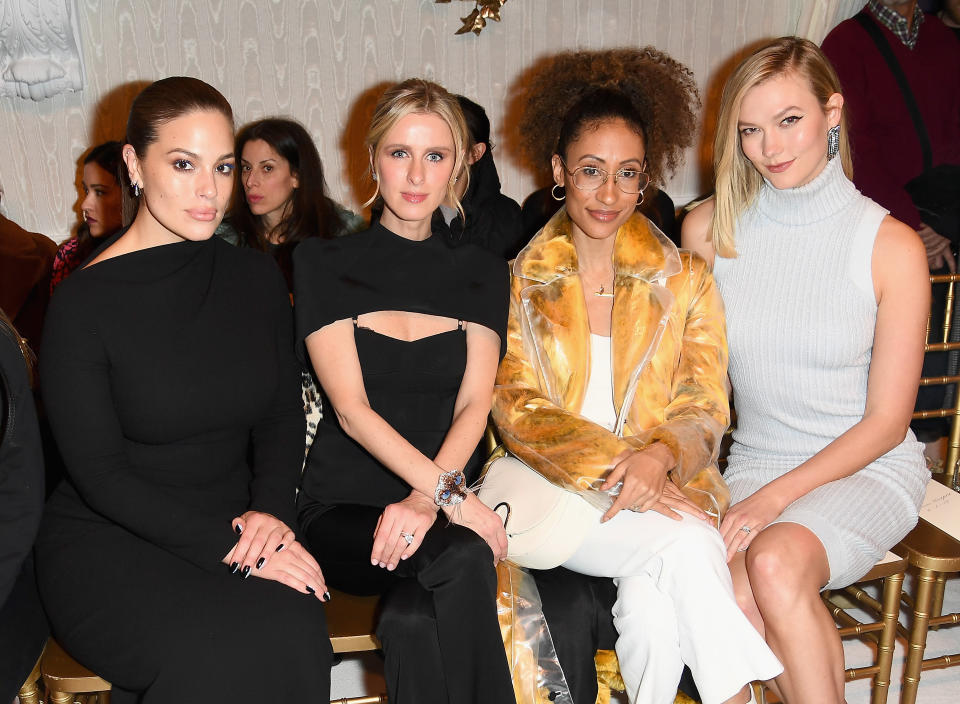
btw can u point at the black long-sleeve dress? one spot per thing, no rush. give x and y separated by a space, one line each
173 391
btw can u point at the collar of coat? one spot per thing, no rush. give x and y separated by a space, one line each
640 251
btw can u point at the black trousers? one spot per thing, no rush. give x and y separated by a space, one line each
578 609
438 622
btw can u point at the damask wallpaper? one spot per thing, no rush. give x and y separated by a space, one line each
321 62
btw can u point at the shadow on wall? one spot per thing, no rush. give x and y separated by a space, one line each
356 158
711 110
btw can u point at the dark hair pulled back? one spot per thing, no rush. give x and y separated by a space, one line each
158 104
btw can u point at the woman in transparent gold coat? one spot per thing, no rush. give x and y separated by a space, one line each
614 387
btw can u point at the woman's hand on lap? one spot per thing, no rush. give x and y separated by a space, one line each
261 536
296 567
644 474
479 518
413 516
746 518
673 500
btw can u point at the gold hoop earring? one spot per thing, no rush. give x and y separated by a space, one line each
553 192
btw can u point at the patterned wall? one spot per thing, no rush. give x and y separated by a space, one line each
317 60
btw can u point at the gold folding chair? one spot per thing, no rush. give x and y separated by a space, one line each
929 550
64 677
351 621
30 691
882 632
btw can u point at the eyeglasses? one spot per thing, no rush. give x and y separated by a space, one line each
590 178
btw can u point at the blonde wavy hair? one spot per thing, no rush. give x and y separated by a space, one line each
737 180
416 96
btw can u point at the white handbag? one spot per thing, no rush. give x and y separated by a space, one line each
545 524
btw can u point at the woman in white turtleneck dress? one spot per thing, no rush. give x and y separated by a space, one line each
826 298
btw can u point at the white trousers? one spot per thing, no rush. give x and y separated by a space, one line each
675 605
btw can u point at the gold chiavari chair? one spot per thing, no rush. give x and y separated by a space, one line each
351 621
30 691
932 551
64 677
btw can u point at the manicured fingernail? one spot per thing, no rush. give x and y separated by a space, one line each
311 590
280 547
374 562
390 567
246 571
238 528
260 562
234 567
326 596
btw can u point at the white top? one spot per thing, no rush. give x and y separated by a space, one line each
801 313
598 397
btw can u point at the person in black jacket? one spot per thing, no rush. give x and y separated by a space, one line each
491 220
23 627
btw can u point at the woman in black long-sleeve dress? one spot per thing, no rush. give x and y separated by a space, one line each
173 392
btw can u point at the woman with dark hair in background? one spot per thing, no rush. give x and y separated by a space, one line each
179 487
101 209
283 199
490 219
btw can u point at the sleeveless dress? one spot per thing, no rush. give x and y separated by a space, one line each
801 313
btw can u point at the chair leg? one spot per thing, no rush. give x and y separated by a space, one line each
936 608
29 693
892 587
59 697
926 580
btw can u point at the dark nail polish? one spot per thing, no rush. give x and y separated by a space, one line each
311 590
239 529
326 596
234 567
246 571
280 547
260 562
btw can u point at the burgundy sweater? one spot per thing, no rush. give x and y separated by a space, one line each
886 151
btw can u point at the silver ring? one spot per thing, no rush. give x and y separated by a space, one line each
407 536
745 529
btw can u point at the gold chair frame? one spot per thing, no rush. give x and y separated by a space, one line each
930 551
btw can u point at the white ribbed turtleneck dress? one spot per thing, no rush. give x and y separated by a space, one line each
801 313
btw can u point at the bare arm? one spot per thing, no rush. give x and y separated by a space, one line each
333 354
473 399
695 231
903 298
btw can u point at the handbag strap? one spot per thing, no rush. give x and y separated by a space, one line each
887 52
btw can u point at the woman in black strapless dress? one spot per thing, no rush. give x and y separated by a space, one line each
405 335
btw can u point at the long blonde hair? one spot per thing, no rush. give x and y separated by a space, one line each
418 96
737 180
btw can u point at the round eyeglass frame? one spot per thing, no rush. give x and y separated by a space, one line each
606 176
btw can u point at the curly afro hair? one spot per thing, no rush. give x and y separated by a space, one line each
662 90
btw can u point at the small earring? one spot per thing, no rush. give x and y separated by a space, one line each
553 192
373 175
833 141
136 190
640 202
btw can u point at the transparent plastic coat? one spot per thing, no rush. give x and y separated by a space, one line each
669 365
537 677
